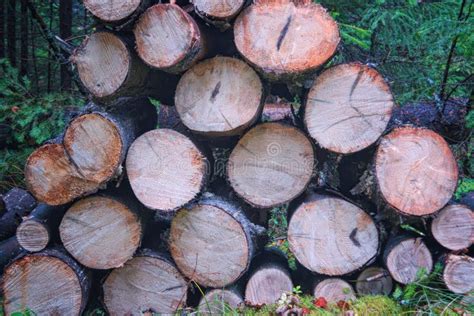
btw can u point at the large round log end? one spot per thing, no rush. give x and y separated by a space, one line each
458 274
453 227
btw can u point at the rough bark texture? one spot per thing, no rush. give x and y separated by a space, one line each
166 170
101 232
415 170
220 301
168 38
267 283
405 256
271 165
331 236
149 282
334 290
221 96
168 117
109 67
284 38
16 204
218 12
458 274
46 283
453 227
38 229
277 109
212 242
374 281
9 249
348 108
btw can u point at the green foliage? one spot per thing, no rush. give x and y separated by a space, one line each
277 231
410 228
465 186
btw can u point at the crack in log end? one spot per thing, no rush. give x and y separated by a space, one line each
215 92
352 237
356 82
283 33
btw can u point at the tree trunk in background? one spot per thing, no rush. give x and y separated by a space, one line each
33 56
65 25
24 38
2 28
11 31
49 50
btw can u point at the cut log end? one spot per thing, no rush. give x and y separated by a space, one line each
219 97
218 9
32 235
271 165
453 227
306 37
267 284
168 38
209 245
103 62
405 259
166 170
331 236
458 274
45 285
94 144
116 232
52 178
374 281
334 290
348 108
415 170
145 283
220 301
112 11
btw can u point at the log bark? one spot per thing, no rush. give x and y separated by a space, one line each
271 165
221 96
334 290
168 38
168 117
101 232
458 274
37 230
109 67
277 109
219 13
331 236
267 283
9 250
97 141
149 282
166 170
348 108
48 282
118 13
16 203
220 301
374 281
453 227
415 170
285 39
405 256
212 242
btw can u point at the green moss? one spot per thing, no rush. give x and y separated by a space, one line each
376 305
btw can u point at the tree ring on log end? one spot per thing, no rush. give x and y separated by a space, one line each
348 108
166 170
218 9
103 63
406 258
331 236
144 283
32 235
220 96
415 170
112 11
45 285
209 245
100 232
334 290
94 144
272 164
458 274
52 178
306 36
167 36
453 227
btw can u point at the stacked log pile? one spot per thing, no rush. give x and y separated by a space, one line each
172 199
